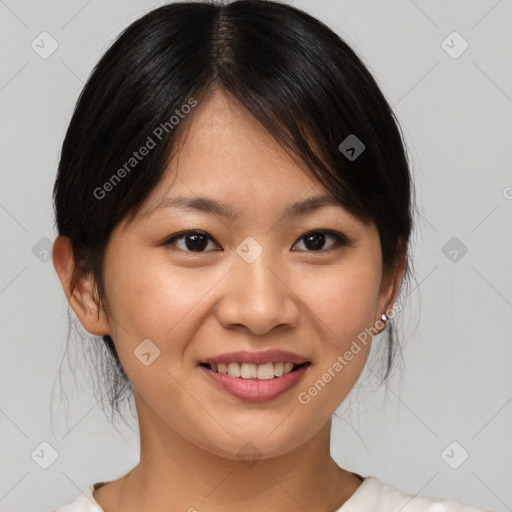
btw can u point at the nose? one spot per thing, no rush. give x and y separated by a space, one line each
258 297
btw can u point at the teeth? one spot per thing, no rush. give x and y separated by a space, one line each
265 371
234 370
279 369
246 370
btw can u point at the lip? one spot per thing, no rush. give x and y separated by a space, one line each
255 390
262 357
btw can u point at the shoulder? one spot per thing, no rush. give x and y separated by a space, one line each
84 502
374 495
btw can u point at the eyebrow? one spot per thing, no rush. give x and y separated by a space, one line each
212 206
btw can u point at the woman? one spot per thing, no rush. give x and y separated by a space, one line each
233 204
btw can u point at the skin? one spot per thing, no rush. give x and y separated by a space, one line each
194 305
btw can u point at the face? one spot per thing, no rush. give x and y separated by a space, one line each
308 283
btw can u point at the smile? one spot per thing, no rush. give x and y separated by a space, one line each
266 371
253 382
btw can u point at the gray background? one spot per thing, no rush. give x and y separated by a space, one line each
456 385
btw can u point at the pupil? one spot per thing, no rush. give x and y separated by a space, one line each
198 242
317 239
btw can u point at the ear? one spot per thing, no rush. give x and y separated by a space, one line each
390 285
82 298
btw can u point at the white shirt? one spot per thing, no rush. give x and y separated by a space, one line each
371 496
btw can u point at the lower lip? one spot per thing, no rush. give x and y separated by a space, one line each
256 390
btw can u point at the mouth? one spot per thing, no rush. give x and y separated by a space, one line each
255 383
250 371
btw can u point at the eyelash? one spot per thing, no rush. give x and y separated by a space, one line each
341 240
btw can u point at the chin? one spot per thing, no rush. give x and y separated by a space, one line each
253 445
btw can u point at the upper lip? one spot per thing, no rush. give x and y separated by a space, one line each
247 356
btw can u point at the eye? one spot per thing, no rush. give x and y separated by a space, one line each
315 240
194 241
197 241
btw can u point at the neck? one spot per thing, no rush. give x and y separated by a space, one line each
176 474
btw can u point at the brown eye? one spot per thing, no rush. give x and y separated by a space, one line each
314 241
191 241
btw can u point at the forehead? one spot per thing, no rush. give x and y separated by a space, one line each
225 153
223 132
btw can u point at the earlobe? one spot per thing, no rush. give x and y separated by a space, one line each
390 286
82 297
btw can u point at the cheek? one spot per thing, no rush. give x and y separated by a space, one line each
342 307
342 300
150 298
139 291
